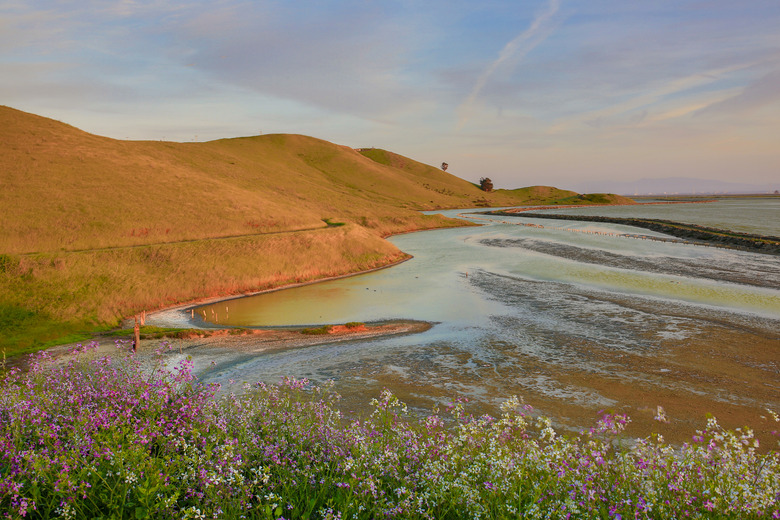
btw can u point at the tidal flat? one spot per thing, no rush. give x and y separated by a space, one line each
574 317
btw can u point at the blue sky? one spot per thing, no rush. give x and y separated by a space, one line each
526 92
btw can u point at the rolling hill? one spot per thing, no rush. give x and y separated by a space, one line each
95 229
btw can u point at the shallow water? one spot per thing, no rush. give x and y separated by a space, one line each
758 215
573 321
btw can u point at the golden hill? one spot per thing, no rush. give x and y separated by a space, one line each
66 189
95 229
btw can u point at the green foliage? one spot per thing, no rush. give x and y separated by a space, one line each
7 263
593 198
485 184
14 319
23 330
153 332
354 324
99 438
325 329
377 155
330 223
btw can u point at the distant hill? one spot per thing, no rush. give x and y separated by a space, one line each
95 229
545 195
675 186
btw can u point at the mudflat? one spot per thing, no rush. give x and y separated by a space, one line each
202 346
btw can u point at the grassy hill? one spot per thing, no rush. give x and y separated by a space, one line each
96 229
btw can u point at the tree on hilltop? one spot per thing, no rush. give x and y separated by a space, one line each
444 166
486 184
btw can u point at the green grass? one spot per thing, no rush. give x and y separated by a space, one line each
595 198
48 295
326 329
153 332
330 223
24 330
316 331
354 324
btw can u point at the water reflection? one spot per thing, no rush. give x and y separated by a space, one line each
575 322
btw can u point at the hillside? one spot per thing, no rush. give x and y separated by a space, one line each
96 229
65 189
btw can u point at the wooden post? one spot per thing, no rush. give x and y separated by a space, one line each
136 335
143 318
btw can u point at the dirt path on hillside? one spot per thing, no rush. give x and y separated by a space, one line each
187 241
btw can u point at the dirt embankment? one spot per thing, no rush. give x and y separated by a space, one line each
714 236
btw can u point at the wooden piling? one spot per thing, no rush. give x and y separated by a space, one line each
136 335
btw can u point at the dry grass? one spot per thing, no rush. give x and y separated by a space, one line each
64 189
75 291
95 229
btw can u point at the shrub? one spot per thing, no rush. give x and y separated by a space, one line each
354 324
325 329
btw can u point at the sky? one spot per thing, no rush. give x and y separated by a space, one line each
551 92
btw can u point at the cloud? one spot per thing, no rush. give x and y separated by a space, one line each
647 98
687 106
22 28
760 93
349 60
619 79
517 48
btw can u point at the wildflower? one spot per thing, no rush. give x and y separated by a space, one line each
329 514
172 437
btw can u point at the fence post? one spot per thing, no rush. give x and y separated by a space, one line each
136 335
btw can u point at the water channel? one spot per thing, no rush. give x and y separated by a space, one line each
575 317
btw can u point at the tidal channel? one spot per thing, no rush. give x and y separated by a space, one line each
574 317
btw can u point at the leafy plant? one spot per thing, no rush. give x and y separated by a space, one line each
112 437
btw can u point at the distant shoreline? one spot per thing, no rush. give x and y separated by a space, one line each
711 236
570 206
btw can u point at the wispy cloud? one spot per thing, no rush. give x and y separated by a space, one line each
764 91
647 99
350 61
517 48
614 80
